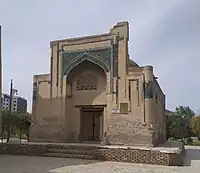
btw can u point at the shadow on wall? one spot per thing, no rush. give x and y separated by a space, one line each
50 124
47 124
56 118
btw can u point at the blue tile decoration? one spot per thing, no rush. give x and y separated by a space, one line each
100 57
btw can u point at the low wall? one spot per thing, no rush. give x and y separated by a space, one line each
104 153
23 149
140 156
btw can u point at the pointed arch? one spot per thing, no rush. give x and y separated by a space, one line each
82 57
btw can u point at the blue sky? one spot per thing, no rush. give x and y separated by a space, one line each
165 34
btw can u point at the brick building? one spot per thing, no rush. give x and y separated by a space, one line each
95 92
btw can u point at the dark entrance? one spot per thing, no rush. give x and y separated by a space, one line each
91 124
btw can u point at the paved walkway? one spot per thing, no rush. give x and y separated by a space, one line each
25 164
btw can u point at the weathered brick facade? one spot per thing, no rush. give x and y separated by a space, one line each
95 74
127 131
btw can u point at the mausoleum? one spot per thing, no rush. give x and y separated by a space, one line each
96 93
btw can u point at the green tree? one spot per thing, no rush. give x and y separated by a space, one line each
195 126
5 122
184 111
25 122
178 124
17 123
170 130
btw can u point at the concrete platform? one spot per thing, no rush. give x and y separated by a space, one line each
171 153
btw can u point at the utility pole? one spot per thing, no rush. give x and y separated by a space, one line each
10 110
0 84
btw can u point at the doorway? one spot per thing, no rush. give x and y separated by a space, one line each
91 121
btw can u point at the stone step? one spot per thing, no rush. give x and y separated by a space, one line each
70 151
71 147
73 156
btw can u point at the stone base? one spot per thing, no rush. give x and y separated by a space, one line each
156 155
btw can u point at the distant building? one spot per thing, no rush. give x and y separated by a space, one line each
19 104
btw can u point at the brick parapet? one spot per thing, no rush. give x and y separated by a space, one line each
105 153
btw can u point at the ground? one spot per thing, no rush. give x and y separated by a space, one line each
25 164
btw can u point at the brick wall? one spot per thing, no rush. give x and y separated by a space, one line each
127 130
145 156
139 156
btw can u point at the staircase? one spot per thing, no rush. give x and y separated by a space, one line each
71 151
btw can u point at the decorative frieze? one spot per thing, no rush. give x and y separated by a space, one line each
87 82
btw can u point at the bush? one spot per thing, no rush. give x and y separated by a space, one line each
198 137
190 141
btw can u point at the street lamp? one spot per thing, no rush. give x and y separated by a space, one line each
12 93
10 110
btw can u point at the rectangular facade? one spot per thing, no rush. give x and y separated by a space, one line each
96 93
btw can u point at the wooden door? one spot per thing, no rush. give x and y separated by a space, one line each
97 122
87 128
90 125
